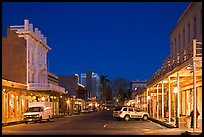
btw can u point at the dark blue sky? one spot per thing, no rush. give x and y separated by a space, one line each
130 39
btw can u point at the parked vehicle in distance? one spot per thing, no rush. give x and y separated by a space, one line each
85 110
37 111
128 113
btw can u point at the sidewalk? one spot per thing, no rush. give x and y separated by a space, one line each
172 126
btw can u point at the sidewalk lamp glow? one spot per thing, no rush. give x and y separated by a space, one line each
43 98
148 97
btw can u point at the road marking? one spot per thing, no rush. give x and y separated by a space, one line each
104 125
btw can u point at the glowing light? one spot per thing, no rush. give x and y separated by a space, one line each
175 90
67 101
43 98
34 97
148 97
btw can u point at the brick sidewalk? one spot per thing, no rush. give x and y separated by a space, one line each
173 127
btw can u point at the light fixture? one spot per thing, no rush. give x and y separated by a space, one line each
175 90
43 98
189 67
148 97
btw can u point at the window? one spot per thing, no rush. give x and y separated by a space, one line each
201 20
28 56
124 109
175 47
194 27
130 109
189 31
183 38
172 49
179 43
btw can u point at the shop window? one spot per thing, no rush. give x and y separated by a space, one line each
17 106
6 104
11 106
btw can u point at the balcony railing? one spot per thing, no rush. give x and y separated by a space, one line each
171 63
45 86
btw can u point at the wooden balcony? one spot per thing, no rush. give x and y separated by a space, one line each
190 52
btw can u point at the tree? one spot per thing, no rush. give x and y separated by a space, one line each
106 90
118 84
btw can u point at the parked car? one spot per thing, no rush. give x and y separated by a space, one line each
128 113
37 111
85 110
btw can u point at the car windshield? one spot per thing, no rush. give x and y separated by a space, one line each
117 108
34 109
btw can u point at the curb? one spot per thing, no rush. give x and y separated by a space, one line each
161 123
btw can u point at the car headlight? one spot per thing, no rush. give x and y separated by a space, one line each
37 115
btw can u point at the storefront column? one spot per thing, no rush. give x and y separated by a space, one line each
147 100
194 94
20 105
169 99
157 103
153 106
162 99
150 101
178 96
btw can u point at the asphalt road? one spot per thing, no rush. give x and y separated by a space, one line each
96 123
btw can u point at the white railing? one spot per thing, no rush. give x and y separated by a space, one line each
171 63
45 86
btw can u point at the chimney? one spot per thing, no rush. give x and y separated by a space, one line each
31 27
26 23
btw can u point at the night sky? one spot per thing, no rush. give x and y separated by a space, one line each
130 40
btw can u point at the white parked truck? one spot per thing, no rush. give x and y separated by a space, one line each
37 111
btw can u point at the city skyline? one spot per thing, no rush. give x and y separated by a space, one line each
109 38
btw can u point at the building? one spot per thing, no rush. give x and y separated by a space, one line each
76 93
137 88
174 88
25 62
91 81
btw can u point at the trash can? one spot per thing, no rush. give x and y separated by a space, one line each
181 122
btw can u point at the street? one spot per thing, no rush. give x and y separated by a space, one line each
96 123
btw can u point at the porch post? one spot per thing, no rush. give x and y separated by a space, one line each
162 99
178 96
169 100
157 104
194 96
147 100
153 106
